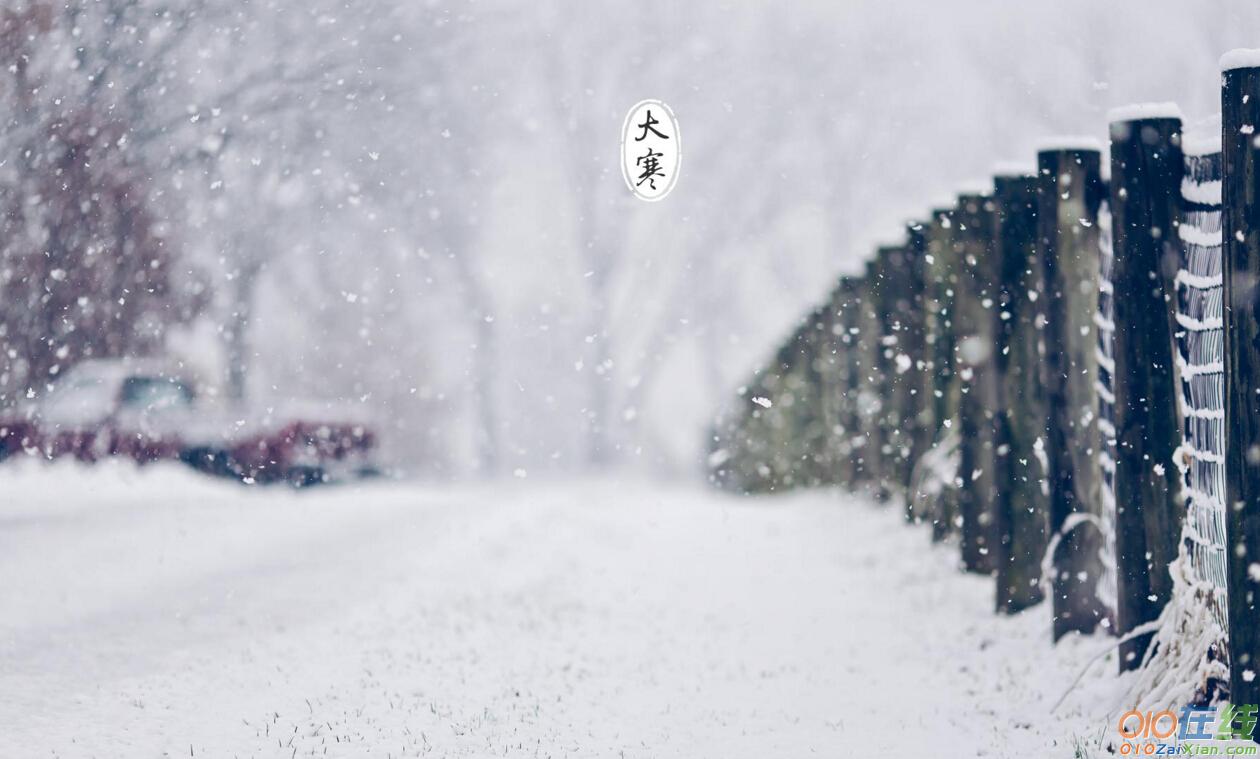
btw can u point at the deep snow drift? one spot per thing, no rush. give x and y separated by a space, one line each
157 613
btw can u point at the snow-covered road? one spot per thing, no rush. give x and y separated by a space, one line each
160 614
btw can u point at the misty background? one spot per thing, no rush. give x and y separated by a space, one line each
417 207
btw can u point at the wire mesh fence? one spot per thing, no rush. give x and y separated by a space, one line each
1104 319
1200 359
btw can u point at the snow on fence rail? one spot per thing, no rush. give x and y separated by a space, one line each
1117 414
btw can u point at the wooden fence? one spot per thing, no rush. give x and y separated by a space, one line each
1062 376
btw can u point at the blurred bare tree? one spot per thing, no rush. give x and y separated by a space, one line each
86 268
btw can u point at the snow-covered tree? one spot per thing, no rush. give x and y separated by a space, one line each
87 268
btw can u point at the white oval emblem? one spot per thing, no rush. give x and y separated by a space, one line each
651 150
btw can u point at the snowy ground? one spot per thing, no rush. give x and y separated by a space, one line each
161 614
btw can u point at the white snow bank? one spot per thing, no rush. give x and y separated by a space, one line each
1136 111
1241 58
34 487
600 619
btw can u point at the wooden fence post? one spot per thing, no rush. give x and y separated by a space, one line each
1069 192
975 330
884 343
750 460
941 277
812 458
1021 496
859 432
776 453
1240 116
1146 171
900 315
872 400
834 379
800 416
777 416
919 353
825 368
849 419
863 460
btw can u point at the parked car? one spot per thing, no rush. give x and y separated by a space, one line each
150 410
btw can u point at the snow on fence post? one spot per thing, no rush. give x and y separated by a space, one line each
1146 172
1021 496
1069 192
1240 116
975 332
